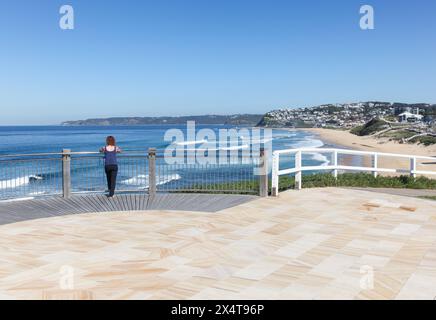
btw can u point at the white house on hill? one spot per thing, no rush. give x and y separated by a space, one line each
410 117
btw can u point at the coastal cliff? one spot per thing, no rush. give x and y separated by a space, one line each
236 119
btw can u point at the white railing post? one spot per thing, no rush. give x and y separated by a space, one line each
335 163
298 175
275 175
335 167
375 165
413 167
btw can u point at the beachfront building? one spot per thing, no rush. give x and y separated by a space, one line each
410 117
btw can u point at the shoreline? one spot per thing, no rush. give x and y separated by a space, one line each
370 143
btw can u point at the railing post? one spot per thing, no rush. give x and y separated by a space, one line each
263 174
275 175
151 171
298 175
66 173
375 165
335 164
413 167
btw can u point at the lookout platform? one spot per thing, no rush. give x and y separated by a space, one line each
328 243
20 210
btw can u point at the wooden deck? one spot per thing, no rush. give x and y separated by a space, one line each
15 211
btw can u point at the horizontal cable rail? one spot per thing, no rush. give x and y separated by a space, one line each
147 171
334 165
231 177
75 153
65 173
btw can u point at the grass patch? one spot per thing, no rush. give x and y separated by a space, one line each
246 187
398 134
364 180
319 180
356 130
425 140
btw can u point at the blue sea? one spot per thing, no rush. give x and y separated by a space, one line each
27 178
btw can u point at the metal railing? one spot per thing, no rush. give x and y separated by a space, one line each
66 173
334 164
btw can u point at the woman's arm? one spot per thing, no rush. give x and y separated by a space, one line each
102 149
119 150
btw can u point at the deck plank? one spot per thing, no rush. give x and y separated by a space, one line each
89 205
80 204
118 202
15 211
105 204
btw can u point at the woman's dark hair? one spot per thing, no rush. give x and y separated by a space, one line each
110 141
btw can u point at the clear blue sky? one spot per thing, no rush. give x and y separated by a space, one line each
182 57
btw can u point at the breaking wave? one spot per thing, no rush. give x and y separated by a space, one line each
18 182
189 143
244 146
237 147
320 158
142 180
310 142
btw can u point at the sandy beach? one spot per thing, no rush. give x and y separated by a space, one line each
368 143
351 141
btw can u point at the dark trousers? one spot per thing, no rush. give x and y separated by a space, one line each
111 175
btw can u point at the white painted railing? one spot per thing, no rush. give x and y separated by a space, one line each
335 167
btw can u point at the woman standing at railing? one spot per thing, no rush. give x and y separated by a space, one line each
111 164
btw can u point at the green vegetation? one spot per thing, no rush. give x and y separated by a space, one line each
371 127
391 117
425 140
233 187
320 180
398 134
363 180
356 130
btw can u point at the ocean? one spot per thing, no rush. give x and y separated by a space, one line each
27 178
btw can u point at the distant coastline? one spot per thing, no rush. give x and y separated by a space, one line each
235 119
